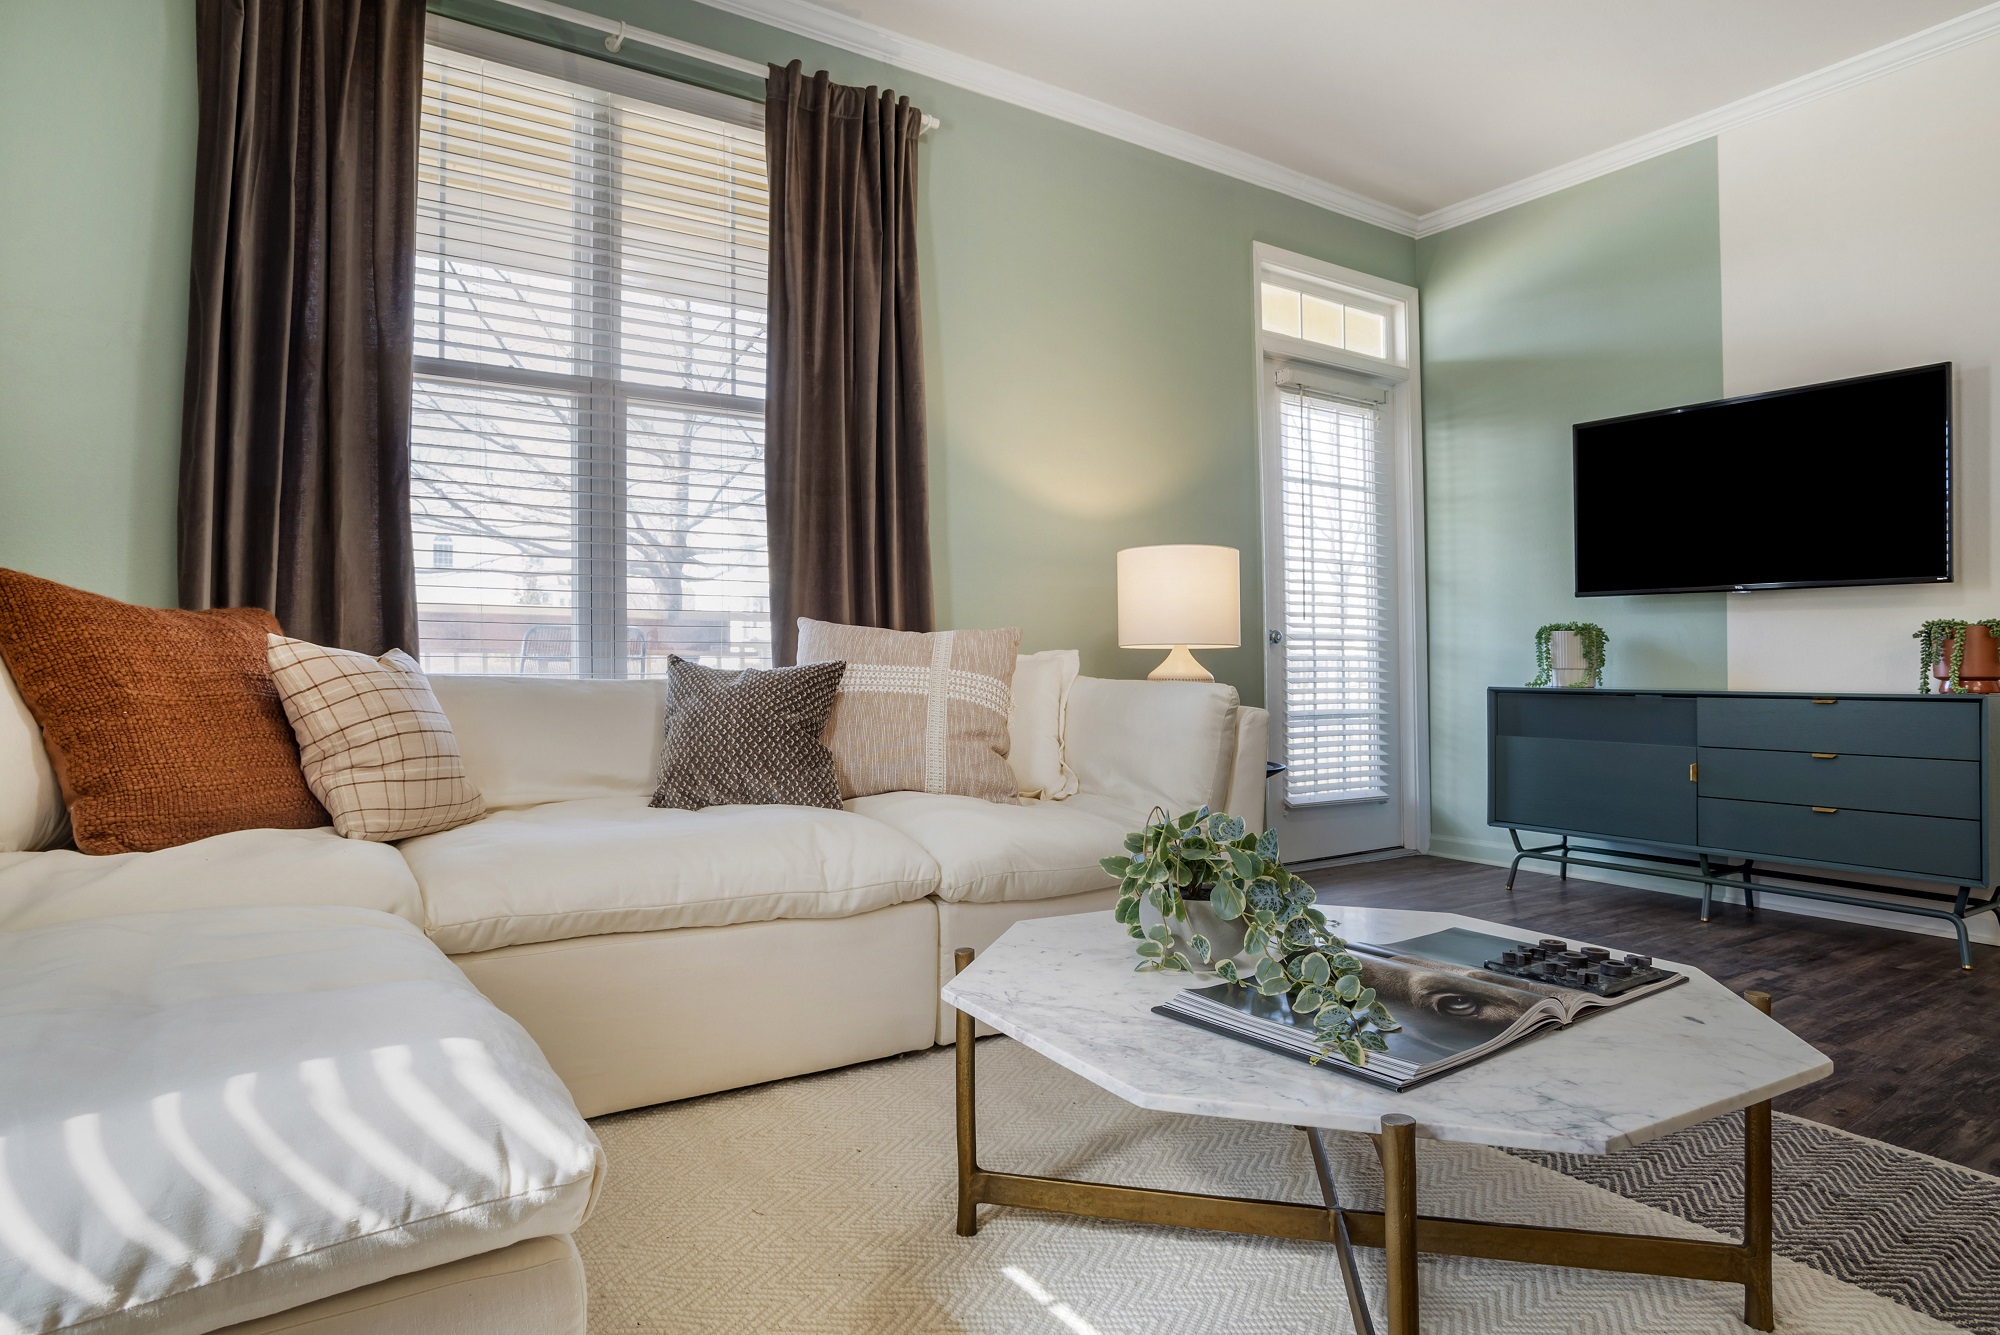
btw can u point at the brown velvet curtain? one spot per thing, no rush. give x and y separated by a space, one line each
847 496
295 439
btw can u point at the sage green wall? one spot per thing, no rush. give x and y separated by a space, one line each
97 124
1601 300
1088 325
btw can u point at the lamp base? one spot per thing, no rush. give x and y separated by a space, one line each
1180 665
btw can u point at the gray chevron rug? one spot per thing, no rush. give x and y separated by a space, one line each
825 1204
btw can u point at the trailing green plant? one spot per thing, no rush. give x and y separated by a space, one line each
1590 635
1931 638
1212 856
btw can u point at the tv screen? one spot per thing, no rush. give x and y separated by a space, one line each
1844 483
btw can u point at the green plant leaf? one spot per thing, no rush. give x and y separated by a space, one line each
1352 1050
1308 1000
1267 845
1225 826
1135 843
1135 931
1116 866
1151 950
1269 970
1314 969
1226 970
1179 962
1372 1041
1227 901
1200 946
1158 932
1348 988
1345 963
1277 987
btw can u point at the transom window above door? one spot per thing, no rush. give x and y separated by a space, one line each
1321 316
587 472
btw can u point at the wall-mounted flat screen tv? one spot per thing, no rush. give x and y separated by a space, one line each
1842 483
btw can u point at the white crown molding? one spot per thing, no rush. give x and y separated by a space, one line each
867 39
961 71
1964 30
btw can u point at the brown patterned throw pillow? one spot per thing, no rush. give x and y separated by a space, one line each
921 712
377 750
163 727
750 736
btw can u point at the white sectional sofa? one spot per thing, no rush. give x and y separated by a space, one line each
659 954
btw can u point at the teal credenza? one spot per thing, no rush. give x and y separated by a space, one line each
1714 787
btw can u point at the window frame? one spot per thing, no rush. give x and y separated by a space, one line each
1399 377
602 402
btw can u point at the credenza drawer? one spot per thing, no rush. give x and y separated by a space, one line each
1919 845
1869 783
1935 728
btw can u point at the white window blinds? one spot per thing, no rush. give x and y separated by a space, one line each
587 484
1337 633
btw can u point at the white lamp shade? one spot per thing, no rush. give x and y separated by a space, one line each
1182 595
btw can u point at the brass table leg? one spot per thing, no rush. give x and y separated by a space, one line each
968 1204
1758 1310
1399 1219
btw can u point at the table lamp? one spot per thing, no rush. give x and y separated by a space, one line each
1179 598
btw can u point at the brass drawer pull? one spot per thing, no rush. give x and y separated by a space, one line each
1827 700
1826 811
1826 755
1694 773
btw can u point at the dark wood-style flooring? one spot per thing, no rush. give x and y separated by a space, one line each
1915 1040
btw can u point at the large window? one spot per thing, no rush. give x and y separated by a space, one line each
587 444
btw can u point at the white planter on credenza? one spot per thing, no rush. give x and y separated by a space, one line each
1566 663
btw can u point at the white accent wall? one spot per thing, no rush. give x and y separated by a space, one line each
1861 233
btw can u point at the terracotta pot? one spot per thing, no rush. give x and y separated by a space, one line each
1979 673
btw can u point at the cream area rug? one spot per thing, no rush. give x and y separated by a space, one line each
825 1204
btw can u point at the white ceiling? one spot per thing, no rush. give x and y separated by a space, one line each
1416 103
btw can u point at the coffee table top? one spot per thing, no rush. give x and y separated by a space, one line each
1066 988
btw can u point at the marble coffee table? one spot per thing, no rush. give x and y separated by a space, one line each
1065 987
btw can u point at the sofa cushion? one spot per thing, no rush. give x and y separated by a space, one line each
988 853
1143 744
614 864
244 868
528 740
32 814
210 1116
163 726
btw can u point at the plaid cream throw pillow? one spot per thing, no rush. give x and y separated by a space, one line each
377 750
918 712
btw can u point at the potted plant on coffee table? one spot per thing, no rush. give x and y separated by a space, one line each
1199 888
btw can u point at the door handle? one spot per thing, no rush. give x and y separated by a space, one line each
1825 700
1826 811
1693 771
1825 755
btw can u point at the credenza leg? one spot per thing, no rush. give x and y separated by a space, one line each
1399 1219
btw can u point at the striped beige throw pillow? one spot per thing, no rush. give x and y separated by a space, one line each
377 750
918 712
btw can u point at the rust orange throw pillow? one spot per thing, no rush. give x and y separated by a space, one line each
163 727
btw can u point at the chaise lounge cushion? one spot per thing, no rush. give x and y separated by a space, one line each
614 864
987 853
243 868
210 1116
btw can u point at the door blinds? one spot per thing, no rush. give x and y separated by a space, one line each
587 443
1337 631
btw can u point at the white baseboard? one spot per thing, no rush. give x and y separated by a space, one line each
1982 929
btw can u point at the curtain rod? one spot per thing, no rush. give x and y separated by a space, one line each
621 33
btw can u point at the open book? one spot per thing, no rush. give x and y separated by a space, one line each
1452 1009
